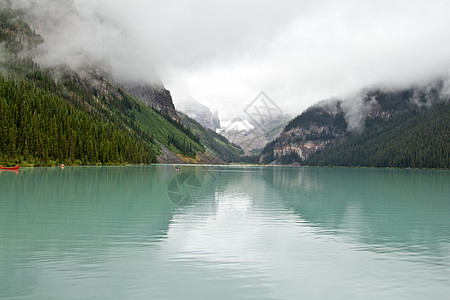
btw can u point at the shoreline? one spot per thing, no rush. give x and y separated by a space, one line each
29 166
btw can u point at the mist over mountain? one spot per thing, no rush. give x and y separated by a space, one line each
78 33
53 114
298 52
114 53
199 112
388 128
250 135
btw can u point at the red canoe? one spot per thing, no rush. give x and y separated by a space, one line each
9 168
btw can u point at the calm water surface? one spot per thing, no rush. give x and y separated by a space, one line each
224 233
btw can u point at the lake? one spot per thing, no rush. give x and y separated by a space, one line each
224 232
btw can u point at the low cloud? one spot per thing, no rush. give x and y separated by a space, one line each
356 109
225 53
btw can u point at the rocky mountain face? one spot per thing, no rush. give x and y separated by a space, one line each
200 113
308 133
330 123
96 76
251 136
155 96
150 91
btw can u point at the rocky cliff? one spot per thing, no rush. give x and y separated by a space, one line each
92 65
308 133
370 114
155 96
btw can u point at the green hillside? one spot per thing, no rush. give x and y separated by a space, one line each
214 142
39 128
406 128
52 116
418 138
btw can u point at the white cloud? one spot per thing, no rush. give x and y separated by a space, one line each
225 53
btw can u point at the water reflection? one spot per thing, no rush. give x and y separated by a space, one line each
186 187
83 201
9 171
75 217
224 233
376 207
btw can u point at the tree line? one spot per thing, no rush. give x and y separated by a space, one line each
184 147
418 138
40 128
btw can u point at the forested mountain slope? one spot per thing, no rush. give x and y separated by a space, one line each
214 142
406 128
52 116
418 138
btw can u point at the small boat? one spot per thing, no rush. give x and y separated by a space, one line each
9 168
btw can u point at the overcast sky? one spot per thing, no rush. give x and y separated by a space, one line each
224 53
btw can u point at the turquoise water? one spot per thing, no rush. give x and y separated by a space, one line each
152 232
